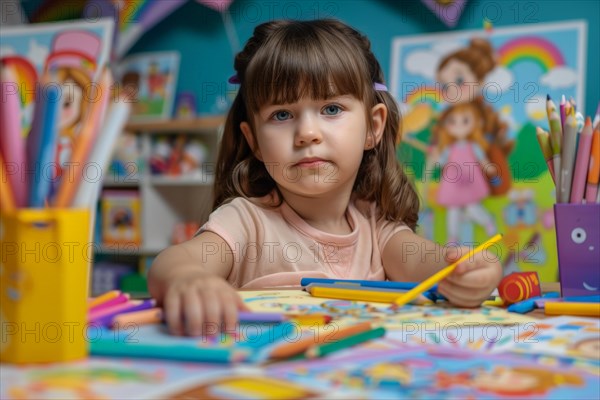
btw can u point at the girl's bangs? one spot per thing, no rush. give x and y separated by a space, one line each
308 67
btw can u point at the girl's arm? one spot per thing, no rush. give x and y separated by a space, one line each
408 257
188 280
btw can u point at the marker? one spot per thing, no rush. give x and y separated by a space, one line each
438 276
328 348
564 308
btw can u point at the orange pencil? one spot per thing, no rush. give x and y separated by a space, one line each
7 199
290 349
103 298
85 141
144 317
591 190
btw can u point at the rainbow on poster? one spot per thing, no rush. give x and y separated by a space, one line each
530 48
425 94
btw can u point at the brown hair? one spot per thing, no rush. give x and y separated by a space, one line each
479 56
82 79
285 61
445 139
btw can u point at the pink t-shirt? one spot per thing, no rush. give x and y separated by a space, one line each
275 247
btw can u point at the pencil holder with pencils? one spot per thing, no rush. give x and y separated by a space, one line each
578 241
44 270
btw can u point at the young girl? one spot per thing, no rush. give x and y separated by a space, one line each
307 185
463 184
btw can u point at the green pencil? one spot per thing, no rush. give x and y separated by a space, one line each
325 349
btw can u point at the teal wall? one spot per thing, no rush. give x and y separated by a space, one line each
207 57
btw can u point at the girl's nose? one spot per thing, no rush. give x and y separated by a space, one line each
308 131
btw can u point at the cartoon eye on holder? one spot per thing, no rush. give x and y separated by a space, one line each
578 235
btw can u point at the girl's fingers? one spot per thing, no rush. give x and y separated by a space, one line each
230 312
193 313
458 295
239 302
476 278
172 306
213 312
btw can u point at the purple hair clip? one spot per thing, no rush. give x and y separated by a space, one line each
234 79
380 87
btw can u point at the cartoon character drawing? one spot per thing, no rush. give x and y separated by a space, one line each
463 184
522 381
72 62
462 75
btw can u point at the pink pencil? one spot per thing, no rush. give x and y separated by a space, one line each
96 315
581 162
122 298
563 113
12 143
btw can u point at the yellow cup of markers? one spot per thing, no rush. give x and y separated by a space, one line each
44 279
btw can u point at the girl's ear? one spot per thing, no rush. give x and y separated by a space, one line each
247 132
379 117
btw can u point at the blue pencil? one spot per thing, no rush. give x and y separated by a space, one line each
373 284
41 183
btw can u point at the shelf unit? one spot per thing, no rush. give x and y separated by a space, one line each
166 200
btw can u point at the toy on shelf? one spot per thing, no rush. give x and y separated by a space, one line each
121 217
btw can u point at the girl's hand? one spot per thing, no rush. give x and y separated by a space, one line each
197 303
472 280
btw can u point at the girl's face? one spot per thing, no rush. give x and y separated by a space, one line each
459 83
460 123
313 147
71 98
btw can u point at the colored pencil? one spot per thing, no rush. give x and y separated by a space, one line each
145 317
107 319
310 319
103 298
438 276
328 348
359 294
544 141
94 316
12 145
7 199
289 349
89 190
40 185
244 316
174 352
529 304
121 298
582 163
567 308
374 284
567 158
555 144
86 139
591 189
563 114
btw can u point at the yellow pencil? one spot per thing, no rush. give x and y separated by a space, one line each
438 276
103 298
352 294
572 308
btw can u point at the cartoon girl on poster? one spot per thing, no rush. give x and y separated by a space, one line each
463 184
72 61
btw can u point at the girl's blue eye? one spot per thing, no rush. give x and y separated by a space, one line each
281 115
332 109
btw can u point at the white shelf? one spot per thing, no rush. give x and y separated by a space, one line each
126 250
158 180
124 182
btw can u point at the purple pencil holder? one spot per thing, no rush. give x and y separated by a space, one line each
578 241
